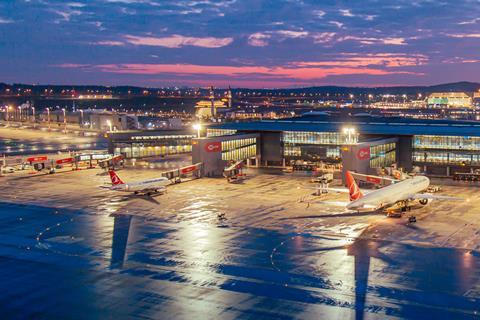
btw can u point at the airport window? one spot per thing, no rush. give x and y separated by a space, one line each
241 153
326 138
292 151
382 155
239 149
311 152
139 151
446 142
237 143
220 132
445 157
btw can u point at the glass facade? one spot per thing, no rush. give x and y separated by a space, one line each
446 142
314 146
220 132
446 150
383 155
150 146
140 151
325 138
446 158
239 149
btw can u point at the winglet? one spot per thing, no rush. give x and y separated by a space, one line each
353 188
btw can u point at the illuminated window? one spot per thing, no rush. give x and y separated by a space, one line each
239 149
220 132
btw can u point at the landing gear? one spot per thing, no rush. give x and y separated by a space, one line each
412 219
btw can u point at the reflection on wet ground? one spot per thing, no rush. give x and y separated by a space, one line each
58 263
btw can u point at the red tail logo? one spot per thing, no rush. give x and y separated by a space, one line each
353 188
115 179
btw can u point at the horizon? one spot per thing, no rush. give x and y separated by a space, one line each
245 44
242 88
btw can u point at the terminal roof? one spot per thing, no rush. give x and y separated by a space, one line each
363 123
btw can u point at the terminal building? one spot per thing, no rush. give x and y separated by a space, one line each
150 143
361 142
450 100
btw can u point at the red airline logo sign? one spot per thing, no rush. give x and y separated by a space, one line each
188 169
213 146
374 179
363 153
37 159
62 161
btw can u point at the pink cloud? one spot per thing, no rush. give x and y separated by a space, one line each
371 40
108 43
72 65
178 41
292 34
258 39
323 37
379 59
464 35
299 71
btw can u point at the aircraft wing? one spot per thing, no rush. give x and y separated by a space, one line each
429 196
337 190
374 179
340 190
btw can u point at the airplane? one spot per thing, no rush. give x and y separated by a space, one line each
400 195
146 186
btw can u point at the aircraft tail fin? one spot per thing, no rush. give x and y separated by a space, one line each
353 188
115 178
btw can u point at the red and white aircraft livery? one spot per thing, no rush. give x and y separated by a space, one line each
400 194
145 186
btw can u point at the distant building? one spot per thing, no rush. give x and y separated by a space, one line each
242 114
92 119
109 121
203 108
414 104
450 100
152 123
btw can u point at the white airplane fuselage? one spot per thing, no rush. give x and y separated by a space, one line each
152 184
390 195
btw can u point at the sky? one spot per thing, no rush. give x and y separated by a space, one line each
242 43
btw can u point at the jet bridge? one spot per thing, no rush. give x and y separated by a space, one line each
234 172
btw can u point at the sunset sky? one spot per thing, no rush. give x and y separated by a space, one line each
242 43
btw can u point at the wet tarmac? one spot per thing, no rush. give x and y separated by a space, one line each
59 263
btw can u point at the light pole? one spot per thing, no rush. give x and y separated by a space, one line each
33 110
350 132
81 118
19 113
8 115
109 123
198 127
48 118
64 120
